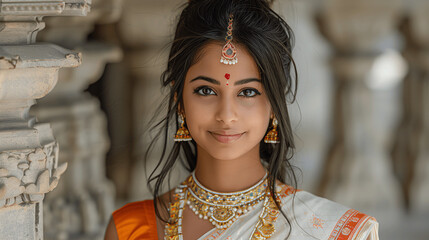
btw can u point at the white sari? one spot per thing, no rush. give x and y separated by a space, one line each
310 217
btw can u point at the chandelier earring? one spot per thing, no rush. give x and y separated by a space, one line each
182 133
272 136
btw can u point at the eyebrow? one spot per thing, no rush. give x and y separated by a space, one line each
214 81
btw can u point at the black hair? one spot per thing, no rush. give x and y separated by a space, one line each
269 40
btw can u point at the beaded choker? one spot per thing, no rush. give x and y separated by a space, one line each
223 209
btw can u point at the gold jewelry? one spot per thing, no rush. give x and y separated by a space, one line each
173 229
265 227
229 53
220 206
223 209
182 133
272 136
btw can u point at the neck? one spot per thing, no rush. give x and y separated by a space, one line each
229 175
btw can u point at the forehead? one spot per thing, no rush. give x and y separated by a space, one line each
208 64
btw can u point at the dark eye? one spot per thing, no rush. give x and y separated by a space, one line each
249 92
204 91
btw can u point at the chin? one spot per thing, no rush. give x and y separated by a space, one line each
226 155
228 152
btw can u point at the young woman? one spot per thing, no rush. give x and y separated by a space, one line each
229 79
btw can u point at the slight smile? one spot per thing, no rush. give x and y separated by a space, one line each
225 137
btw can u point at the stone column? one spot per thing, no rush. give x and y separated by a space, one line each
84 200
356 169
29 162
147 47
410 150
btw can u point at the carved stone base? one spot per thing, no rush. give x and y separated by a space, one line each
22 222
84 200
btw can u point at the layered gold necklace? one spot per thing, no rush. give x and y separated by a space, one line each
221 209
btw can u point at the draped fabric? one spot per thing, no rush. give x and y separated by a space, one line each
310 217
136 221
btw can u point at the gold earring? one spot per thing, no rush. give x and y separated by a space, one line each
182 133
272 136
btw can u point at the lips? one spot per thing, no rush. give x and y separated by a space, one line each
226 137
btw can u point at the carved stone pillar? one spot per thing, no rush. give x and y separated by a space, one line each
146 56
356 162
29 163
83 204
410 150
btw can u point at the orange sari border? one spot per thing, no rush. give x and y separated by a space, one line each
350 223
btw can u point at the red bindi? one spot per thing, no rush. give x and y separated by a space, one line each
227 75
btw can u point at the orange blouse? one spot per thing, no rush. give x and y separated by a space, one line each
136 221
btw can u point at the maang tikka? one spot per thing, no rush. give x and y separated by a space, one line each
182 133
229 53
272 136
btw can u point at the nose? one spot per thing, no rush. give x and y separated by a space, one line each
227 111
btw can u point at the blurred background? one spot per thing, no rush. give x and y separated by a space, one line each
361 118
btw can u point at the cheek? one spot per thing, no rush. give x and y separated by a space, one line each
196 116
255 114
258 108
247 103
262 112
196 112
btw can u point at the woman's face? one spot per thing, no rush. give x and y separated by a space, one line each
225 106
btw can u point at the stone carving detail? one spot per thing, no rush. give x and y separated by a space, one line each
24 18
32 7
83 201
52 7
29 156
26 175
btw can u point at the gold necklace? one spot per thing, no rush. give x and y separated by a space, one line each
173 228
264 228
223 209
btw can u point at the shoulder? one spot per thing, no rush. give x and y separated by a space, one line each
134 220
133 208
111 233
324 218
138 213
